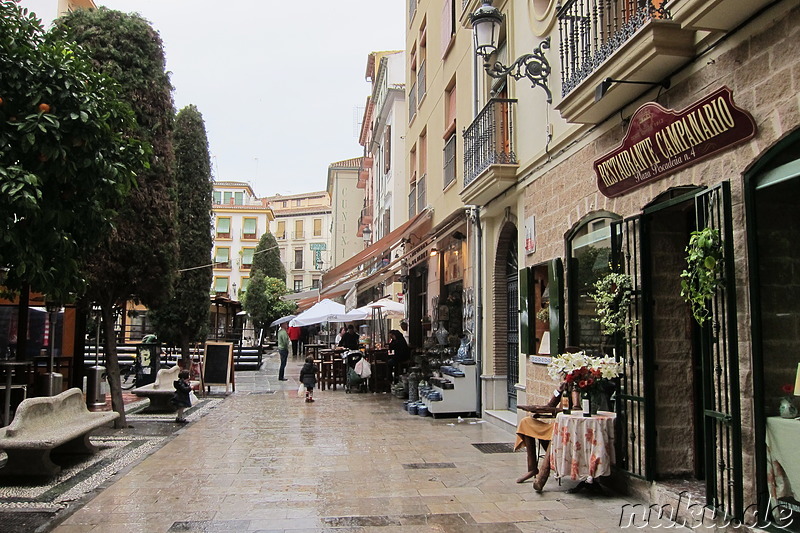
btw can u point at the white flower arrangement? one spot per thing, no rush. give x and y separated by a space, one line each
582 370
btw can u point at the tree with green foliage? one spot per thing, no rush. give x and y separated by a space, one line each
262 301
267 258
184 319
138 260
67 158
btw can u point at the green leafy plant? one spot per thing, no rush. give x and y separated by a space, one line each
612 296
702 276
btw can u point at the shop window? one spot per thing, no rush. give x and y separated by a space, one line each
589 249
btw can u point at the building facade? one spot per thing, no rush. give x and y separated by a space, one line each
240 219
615 176
302 227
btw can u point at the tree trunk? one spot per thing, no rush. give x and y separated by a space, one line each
112 366
186 356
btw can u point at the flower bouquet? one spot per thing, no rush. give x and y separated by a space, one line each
585 375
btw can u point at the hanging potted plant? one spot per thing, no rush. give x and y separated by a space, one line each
612 296
703 274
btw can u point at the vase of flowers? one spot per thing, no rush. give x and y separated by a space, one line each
587 377
787 408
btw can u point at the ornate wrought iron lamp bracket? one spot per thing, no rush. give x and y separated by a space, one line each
533 66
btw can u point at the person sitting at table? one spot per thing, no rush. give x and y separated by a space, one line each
349 339
339 335
398 353
534 427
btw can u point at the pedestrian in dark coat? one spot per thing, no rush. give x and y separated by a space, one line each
308 377
181 397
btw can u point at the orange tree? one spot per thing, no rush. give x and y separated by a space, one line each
66 159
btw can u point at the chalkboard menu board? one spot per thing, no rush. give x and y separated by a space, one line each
218 364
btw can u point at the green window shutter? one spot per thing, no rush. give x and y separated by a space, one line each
223 225
238 198
249 226
221 285
247 256
217 197
555 291
245 283
223 255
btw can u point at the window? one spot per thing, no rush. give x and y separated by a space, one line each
317 227
249 228
448 25
450 111
590 254
298 203
221 285
421 82
238 198
247 257
245 283
280 233
224 228
412 161
222 259
298 259
412 200
217 197
387 149
316 284
227 197
284 203
422 164
422 196
298 284
298 229
449 161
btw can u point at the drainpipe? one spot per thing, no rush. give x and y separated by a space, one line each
475 219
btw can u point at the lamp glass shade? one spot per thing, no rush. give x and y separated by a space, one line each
797 381
486 22
367 233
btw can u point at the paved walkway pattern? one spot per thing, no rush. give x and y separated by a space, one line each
265 460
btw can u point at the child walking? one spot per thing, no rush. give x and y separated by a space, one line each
308 377
181 397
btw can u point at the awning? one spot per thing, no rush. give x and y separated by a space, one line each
379 247
294 296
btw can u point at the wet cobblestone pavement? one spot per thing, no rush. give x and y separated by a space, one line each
265 460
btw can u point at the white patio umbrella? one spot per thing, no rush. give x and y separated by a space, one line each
281 320
388 308
322 311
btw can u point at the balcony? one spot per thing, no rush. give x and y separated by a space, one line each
363 178
412 103
490 163
714 15
622 39
421 83
366 215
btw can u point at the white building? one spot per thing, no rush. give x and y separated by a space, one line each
302 227
240 219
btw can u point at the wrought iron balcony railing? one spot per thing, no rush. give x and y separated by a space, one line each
421 88
412 102
489 140
591 30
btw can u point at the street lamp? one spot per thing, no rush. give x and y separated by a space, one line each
486 24
367 233
234 289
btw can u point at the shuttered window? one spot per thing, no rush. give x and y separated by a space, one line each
281 232
317 227
221 285
224 227
249 228
223 257
247 256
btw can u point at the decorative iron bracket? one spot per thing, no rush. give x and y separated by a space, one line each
533 66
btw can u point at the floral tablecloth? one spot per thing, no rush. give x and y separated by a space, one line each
582 447
783 457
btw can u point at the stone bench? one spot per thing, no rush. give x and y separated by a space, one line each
160 392
59 424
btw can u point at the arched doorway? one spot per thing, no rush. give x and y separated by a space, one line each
506 319
773 194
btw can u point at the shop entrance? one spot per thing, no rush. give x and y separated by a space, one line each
674 341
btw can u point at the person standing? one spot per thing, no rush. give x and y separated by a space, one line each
283 349
399 354
308 377
349 339
181 399
294 336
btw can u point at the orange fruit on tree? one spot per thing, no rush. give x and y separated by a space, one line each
44 108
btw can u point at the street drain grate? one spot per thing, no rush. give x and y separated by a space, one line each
494 447
422 466
263 392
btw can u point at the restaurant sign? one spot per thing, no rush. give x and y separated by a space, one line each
661 141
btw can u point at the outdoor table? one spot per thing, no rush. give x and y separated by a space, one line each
10 367
380 381
783 458
582 448
314 348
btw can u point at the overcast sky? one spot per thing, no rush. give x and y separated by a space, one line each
280 84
